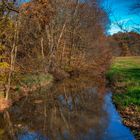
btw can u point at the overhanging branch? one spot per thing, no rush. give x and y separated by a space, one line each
9 7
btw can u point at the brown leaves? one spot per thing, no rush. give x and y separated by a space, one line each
39 11
131 117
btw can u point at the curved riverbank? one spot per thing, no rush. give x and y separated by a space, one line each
124 79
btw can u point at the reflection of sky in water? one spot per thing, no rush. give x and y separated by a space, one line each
114 131
67 103
31 136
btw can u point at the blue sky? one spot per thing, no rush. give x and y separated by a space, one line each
122 14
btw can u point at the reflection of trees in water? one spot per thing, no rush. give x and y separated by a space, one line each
69 109
6 127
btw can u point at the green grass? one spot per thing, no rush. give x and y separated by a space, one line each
126 70
31 79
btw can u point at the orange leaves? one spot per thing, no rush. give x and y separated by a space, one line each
4 104
39 11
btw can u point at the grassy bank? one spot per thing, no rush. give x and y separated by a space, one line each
124 77
22 85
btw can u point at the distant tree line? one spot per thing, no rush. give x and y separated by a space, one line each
125 44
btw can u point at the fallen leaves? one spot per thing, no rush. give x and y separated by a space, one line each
131 118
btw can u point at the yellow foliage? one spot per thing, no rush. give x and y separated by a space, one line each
2 47
1 131
4 65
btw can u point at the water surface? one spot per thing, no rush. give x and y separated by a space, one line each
70 110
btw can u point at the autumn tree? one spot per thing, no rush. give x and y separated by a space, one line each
64 34
35 16
8 39
126 43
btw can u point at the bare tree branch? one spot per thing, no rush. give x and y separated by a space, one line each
9 7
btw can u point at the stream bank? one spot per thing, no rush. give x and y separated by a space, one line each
23 86
124 79
72 109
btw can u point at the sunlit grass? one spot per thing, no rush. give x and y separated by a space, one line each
126 70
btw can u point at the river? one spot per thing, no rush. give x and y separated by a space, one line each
75 109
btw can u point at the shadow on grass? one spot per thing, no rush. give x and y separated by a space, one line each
132 95
130 98
132 73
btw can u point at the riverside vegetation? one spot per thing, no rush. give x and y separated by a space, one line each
124 76
40 38
46 40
